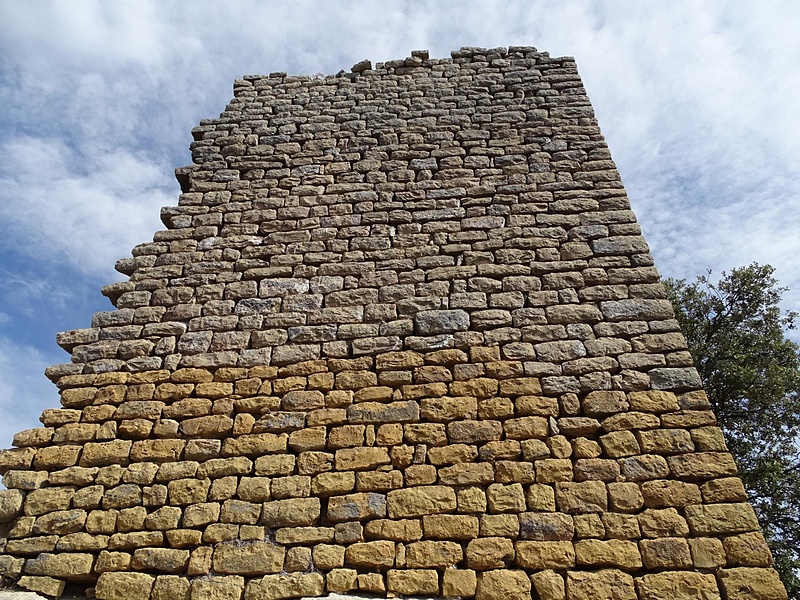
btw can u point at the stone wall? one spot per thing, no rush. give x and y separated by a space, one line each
401 335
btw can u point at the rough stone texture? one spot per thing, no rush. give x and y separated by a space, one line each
400 335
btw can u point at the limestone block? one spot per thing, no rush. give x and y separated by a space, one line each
10 505
451 527
716 519
605 584
663 493
165 560
124 586
747 550
164 518
328 556
217 587
413 581
358 506
371 583
100 454
248 558
506 498
549 585
503 583
42 585
419 501
170 587
624 497
10 566
653 401
373 555
429 554
644 467
405 530
551 470
32 545
668 441
360 459
72 567
487 553
378 412
622 554
666 553
618 444
546 526
726 489
188 491
677 585
702 465
747 582
467 474
503 525
473 432
294 512
665 522
582 497
135 539
45 500
459 582
60 522
341 580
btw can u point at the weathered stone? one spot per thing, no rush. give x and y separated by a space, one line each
357 507
747 550
501 583
419 501
678 585
124 586
295 512
429 554
666 553
545 555
583 497
218 587
165 560
622 554
546 526
248 558
415 582
459 582
373 555
745 582
171 587
69 566
489 553
716 519
10 505
606 584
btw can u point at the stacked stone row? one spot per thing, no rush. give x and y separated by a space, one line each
437 487
402 335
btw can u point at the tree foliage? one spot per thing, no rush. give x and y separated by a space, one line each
736 332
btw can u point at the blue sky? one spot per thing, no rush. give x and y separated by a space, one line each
697 100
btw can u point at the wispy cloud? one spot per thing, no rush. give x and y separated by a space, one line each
83 212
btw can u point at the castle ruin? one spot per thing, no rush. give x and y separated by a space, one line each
400 336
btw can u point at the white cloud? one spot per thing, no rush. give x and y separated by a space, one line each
89 214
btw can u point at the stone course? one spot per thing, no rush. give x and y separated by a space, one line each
401 336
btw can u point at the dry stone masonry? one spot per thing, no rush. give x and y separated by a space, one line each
400 336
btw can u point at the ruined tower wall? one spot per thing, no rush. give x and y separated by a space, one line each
401 335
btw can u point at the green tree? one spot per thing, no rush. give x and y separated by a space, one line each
736 332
